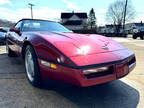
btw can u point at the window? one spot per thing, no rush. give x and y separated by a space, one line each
18 25
38 25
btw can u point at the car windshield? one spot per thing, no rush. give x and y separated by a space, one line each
36 25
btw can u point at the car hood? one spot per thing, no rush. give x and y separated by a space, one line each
73 44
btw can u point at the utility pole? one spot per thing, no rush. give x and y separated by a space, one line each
31 7
125 12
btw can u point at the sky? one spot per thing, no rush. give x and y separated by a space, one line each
14 10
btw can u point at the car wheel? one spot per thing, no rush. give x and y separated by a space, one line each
134 37
32 67
9 51
141 37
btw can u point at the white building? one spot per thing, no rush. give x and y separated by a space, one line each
74 21
107 29
134 27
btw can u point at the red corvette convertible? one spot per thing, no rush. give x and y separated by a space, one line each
50 51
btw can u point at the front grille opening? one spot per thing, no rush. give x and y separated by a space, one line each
133 60
100 74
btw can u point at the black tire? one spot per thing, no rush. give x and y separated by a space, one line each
134 36
37 81
9 51
141 37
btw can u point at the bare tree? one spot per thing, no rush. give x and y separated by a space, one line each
120 11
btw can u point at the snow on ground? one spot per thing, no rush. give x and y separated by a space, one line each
118 39
138 42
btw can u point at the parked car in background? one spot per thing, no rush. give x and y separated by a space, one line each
3 32
6 29
50 51
139 34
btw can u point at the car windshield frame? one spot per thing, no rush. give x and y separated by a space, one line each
43 25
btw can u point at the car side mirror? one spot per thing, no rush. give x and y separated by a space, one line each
16 30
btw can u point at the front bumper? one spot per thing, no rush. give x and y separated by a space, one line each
75 75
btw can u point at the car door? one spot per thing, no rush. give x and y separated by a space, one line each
13 38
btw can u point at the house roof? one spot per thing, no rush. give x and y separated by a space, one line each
136 24
139 24
77 22
109 26
69 15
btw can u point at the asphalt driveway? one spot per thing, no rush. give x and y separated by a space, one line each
16 92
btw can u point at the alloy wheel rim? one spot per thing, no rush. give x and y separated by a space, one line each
29 64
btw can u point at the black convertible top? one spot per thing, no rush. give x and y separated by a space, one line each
35 20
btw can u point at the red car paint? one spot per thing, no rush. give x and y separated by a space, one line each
100 51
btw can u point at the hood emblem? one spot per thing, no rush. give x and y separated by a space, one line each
104 47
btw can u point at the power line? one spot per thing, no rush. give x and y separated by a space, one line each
31 7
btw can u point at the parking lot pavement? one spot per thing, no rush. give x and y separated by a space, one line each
16 92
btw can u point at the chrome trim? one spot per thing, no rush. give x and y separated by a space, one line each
131 65
104 47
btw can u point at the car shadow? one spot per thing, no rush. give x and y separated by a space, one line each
116 94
